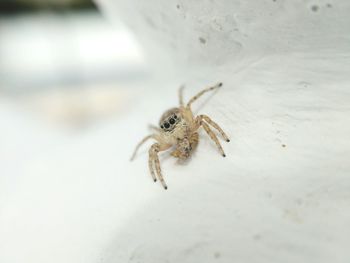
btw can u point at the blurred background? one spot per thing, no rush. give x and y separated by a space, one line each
63 61
65 74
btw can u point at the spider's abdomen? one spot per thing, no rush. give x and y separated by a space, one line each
186 146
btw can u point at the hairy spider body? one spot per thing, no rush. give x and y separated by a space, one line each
180 132
178 129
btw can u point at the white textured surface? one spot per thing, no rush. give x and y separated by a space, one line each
200 38
78 199
285 66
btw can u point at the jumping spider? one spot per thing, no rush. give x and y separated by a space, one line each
178 127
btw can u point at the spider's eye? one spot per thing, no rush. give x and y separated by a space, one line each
166 125
161 126
175 117
172 121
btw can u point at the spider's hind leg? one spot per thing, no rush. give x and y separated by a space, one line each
215 125
214 138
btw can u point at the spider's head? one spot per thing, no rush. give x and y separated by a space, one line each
170 119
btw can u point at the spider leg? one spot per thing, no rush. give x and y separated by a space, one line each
159 172
151 167
181 101
194 140
140 144
202 92
155 128
153 159
175 153
213 137
215 125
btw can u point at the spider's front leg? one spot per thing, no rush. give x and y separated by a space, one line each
152 136
200 121
154 163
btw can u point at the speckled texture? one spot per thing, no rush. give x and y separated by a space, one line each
185 36
282 193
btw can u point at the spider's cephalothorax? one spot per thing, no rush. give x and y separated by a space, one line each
178 130
170 119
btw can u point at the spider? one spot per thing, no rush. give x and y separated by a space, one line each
178 129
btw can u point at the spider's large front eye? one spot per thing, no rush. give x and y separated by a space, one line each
166 125
172 121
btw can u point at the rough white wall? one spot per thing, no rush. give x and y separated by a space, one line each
282 194
224 35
